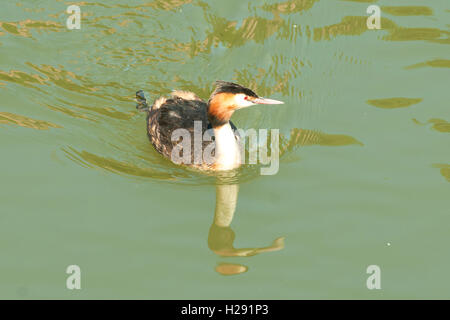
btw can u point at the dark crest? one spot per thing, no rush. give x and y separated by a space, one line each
230 87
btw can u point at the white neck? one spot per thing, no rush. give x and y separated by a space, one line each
228 155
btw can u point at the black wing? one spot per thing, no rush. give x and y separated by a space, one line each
178 113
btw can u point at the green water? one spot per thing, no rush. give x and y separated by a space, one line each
363 180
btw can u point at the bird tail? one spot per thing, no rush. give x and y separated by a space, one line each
141 101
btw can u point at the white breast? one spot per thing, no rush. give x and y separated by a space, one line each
228 153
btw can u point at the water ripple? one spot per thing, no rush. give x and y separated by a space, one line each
15 119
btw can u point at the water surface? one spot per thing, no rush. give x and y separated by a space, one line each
364 176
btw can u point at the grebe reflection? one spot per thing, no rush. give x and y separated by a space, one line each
221 236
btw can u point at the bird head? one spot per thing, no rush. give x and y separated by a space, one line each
229 97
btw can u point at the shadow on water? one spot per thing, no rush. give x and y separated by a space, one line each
221 236
439 125
436 63
444 169
22 121
356 25
393 103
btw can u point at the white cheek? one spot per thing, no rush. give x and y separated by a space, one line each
241 102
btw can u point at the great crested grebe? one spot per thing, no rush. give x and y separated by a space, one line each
185 110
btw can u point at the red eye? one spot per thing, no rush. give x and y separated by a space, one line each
245 98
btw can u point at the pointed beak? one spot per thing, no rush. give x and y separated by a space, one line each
266 101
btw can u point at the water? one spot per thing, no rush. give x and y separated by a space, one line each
363 180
